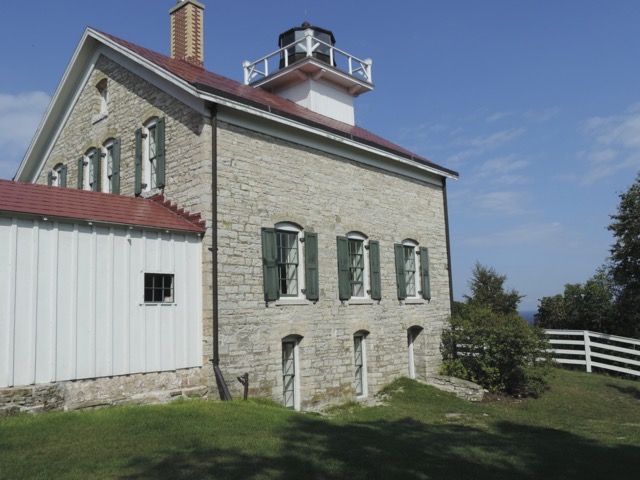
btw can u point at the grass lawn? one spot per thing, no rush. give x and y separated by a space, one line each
586 427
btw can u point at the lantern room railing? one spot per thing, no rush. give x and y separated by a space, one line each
309 45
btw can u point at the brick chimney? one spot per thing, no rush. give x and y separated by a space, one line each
187 34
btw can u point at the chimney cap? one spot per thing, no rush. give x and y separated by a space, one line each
181 3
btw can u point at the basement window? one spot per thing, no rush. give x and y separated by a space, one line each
158 288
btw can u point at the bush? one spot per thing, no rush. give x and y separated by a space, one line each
501 352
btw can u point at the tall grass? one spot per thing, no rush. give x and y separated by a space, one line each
586 426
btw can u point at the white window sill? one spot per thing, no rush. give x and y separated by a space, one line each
359 301
158 304
96 118
291 301
414 301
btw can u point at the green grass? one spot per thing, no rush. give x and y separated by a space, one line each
586 426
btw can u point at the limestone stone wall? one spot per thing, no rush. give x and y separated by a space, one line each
136 389
263 181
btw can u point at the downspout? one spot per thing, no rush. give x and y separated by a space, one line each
446 228
223 390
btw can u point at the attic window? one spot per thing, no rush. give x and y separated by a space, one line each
103 95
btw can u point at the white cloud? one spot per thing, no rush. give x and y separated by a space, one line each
502 170
615 145
20 115
501 203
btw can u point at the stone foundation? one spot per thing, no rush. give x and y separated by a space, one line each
135 389
461 388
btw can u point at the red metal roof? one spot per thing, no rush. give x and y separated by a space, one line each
213 83
73 204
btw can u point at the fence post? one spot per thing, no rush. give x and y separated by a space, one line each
587 350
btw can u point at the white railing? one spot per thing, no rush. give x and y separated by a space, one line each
309 45
591 349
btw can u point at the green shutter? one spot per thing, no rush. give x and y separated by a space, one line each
344 286
80 183
311 265
63 176
374 268
269 264
424 273
50 179
138 163
400 274
115 168
95 160
160 157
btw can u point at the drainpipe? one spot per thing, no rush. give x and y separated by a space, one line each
446 226
223 390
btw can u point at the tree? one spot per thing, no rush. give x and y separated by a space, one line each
487 288
625 260
488 342
587 306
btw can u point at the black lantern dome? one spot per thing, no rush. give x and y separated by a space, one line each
297 52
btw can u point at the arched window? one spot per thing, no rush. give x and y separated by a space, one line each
291 372
150 156
412 335
412 271
358 267
360 363
58 176
103 93
290 263
111 166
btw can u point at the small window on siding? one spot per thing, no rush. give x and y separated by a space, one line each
158 288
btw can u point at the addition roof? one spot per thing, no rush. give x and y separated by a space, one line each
71 204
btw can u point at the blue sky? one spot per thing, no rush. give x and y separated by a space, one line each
535 103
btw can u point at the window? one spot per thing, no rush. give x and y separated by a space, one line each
103 91
412 271
111 151
89 170
412 334
360 364
290 377
158 288
358 267
150 156
58 177
286 274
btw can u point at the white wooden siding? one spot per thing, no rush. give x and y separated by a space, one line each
72 302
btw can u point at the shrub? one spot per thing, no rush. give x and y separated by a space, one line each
501 352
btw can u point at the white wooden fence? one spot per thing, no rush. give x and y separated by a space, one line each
599 350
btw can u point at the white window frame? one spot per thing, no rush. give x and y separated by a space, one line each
295 342
417 284
360 370
107 155
87 181
366 284
172 300
147 165
56 174
299 297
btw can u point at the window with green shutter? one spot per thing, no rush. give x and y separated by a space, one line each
138 163
112 158
290 263
424 273
80 173
374 267
358 270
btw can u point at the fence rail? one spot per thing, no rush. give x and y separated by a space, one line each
592 349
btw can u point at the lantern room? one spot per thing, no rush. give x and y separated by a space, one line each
309 70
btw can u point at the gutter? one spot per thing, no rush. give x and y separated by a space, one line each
448 240
223 390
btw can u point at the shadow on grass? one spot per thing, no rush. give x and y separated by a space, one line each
632 391
319 449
